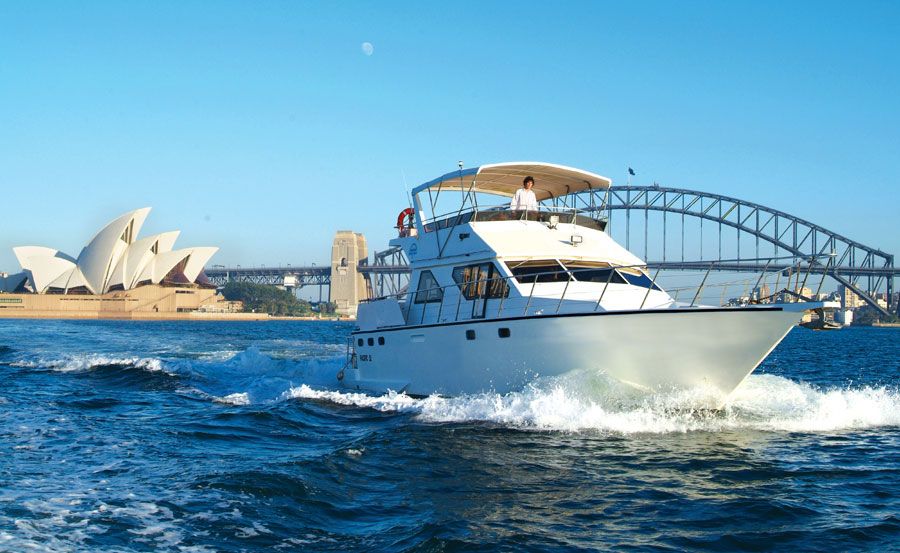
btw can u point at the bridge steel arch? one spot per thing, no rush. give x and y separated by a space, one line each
850 263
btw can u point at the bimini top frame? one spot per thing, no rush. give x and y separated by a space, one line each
556 184
503 179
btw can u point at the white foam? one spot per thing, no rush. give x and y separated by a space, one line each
392 401
86 362
581 402
248 532
253 377
774 403
239 398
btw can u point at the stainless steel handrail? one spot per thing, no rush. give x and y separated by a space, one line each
488 287
502 208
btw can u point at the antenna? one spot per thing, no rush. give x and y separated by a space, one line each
406 188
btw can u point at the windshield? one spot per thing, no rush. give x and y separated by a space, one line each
553 270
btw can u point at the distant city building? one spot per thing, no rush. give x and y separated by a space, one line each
849 299
844 316
804 291
761 294
788 296
115 259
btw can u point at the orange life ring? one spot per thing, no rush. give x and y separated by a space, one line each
407 213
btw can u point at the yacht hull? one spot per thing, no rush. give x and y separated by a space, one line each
649 349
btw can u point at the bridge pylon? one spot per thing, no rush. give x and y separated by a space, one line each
348 286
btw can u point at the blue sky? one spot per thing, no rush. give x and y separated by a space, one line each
263 127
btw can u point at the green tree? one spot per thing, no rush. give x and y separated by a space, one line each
327 308
867 315
265 298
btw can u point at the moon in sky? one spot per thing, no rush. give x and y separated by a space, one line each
367 48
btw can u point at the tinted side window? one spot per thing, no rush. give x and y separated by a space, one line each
480 281
428 290
597 275
545 270
641 280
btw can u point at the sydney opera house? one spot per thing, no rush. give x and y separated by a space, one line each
117 274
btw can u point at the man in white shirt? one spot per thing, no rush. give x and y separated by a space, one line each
524 200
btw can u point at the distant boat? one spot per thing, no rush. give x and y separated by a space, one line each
822 321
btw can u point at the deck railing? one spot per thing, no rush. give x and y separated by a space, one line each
585 217
479 294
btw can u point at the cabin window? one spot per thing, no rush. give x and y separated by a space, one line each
470 335
545 270
480 281
637 277
503 332
359 342
428 290
381 340
371 342
594 271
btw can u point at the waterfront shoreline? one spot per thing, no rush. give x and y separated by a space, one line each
130 316
150 316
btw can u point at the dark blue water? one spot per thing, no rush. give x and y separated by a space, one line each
231 437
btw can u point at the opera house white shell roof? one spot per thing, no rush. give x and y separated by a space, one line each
113 260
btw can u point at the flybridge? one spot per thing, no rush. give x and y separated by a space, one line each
563 191
503 179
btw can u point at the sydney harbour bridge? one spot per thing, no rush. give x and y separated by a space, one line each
675 230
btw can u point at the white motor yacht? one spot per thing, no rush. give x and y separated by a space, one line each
498 298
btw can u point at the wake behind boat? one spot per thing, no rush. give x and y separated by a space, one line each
500 296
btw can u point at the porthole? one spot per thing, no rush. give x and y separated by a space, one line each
470 335
381 340
503 332
371 341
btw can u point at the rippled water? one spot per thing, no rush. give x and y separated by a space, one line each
130 436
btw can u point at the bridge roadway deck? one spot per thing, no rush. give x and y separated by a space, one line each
217 272
223 274
313 275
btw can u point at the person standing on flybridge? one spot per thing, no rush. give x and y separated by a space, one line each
524 200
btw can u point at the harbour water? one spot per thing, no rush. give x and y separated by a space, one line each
190 436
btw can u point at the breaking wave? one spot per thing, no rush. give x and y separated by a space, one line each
87 362
579 401
594 403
